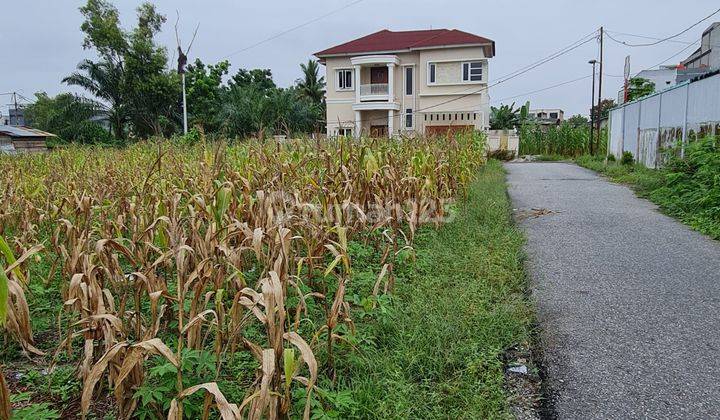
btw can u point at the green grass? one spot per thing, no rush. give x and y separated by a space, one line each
439 346
687 189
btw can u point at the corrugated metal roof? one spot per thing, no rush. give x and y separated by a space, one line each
16 131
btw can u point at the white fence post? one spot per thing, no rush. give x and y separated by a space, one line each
685 120
658 141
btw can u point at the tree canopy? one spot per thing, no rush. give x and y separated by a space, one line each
639 87
133 86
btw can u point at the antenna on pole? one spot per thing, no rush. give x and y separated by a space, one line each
600 83
182 62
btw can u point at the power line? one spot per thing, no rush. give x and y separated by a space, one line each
543 89
673 56
661 40
577 44
567 82
562 51
296 27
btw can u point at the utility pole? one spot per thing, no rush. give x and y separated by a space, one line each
16 113
592 105
184 104
182 62
602 60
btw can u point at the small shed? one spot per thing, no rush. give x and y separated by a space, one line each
15 139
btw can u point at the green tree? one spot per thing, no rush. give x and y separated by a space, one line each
578 121
70 117
604 110
312 85
639 87
253 106
130 77
260 79
505 117
205 92
153 91
105 81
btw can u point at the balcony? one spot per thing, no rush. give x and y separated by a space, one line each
375 92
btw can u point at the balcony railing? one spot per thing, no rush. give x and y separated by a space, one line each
374 89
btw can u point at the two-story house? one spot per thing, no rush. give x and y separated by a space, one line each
425 82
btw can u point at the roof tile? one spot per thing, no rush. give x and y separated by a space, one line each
386 40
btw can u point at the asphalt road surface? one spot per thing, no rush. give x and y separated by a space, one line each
628 299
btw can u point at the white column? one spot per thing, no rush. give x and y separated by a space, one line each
358 126
357 86
391 121
391 82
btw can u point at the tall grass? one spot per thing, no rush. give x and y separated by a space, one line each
460 308
215 280
563 140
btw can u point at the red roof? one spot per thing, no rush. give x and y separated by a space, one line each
386 40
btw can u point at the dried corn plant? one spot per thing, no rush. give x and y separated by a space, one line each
163 249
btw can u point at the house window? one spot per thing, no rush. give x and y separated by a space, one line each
554 115
408 80
344 132
431 73
344 79
409 118
472 71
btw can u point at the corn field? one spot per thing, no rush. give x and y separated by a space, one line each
160 252
563 140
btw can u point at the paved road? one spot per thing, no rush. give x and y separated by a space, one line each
628 299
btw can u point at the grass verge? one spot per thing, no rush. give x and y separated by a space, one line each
454 313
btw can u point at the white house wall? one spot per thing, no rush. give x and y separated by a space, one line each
448 95
653 125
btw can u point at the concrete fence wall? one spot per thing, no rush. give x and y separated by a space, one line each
650 127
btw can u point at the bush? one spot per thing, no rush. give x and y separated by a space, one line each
627 158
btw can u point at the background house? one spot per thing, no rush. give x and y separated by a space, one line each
389 83
22 139
548 116
708 55
666 77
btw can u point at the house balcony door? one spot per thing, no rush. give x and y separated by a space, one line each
378 75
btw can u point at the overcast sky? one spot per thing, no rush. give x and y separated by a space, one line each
41 39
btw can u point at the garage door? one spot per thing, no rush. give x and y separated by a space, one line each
444 130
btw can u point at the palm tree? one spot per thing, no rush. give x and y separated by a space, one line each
311 85
504 118
105 81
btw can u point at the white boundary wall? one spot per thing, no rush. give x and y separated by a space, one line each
651 125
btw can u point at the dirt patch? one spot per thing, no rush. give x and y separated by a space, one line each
523 383
533 213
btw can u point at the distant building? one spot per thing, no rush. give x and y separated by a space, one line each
708 55
548 116
666 77
15 139
16 116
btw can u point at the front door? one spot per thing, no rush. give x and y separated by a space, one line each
378 75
